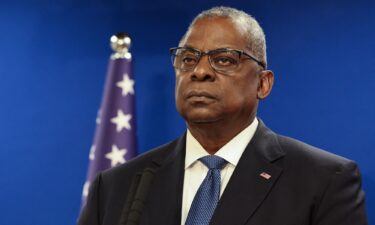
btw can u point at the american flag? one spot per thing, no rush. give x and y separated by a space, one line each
115 137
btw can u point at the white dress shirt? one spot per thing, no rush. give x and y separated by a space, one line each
196 171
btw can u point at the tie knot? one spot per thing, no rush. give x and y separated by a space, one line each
213 162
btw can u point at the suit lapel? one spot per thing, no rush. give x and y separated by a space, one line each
165 199
252 180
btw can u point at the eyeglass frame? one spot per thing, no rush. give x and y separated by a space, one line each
201 53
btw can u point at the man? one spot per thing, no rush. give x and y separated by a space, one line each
263 178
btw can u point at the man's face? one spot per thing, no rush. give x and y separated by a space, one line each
206 96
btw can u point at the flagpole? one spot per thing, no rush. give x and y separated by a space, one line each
115 134
120 44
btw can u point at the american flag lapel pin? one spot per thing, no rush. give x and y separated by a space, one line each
265 175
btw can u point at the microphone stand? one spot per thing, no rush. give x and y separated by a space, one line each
136 198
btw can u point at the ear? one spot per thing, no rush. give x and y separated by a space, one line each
266 79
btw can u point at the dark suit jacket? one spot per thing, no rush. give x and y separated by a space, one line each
308 186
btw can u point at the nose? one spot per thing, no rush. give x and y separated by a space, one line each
203 70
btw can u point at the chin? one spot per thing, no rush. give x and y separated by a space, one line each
199 118
193 114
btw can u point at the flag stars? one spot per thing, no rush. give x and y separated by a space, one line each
122 121
117 156
127 85
98 120
86 188
92 152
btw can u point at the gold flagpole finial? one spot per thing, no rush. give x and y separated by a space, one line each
120 44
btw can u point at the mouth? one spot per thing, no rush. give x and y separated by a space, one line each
200 95
200 98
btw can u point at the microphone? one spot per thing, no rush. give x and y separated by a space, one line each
135 203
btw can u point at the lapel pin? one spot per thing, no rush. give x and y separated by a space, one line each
265 175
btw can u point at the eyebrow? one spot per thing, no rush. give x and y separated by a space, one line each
190 46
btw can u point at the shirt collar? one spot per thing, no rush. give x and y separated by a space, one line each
231 151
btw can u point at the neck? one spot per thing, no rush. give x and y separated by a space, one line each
213 136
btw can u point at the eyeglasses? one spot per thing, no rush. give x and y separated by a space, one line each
222 60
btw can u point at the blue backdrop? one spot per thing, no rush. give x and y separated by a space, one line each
53 60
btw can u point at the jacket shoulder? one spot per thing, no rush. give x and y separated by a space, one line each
314 157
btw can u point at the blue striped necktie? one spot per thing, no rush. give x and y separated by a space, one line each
208 194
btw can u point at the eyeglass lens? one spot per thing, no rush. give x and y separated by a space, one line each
223 60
